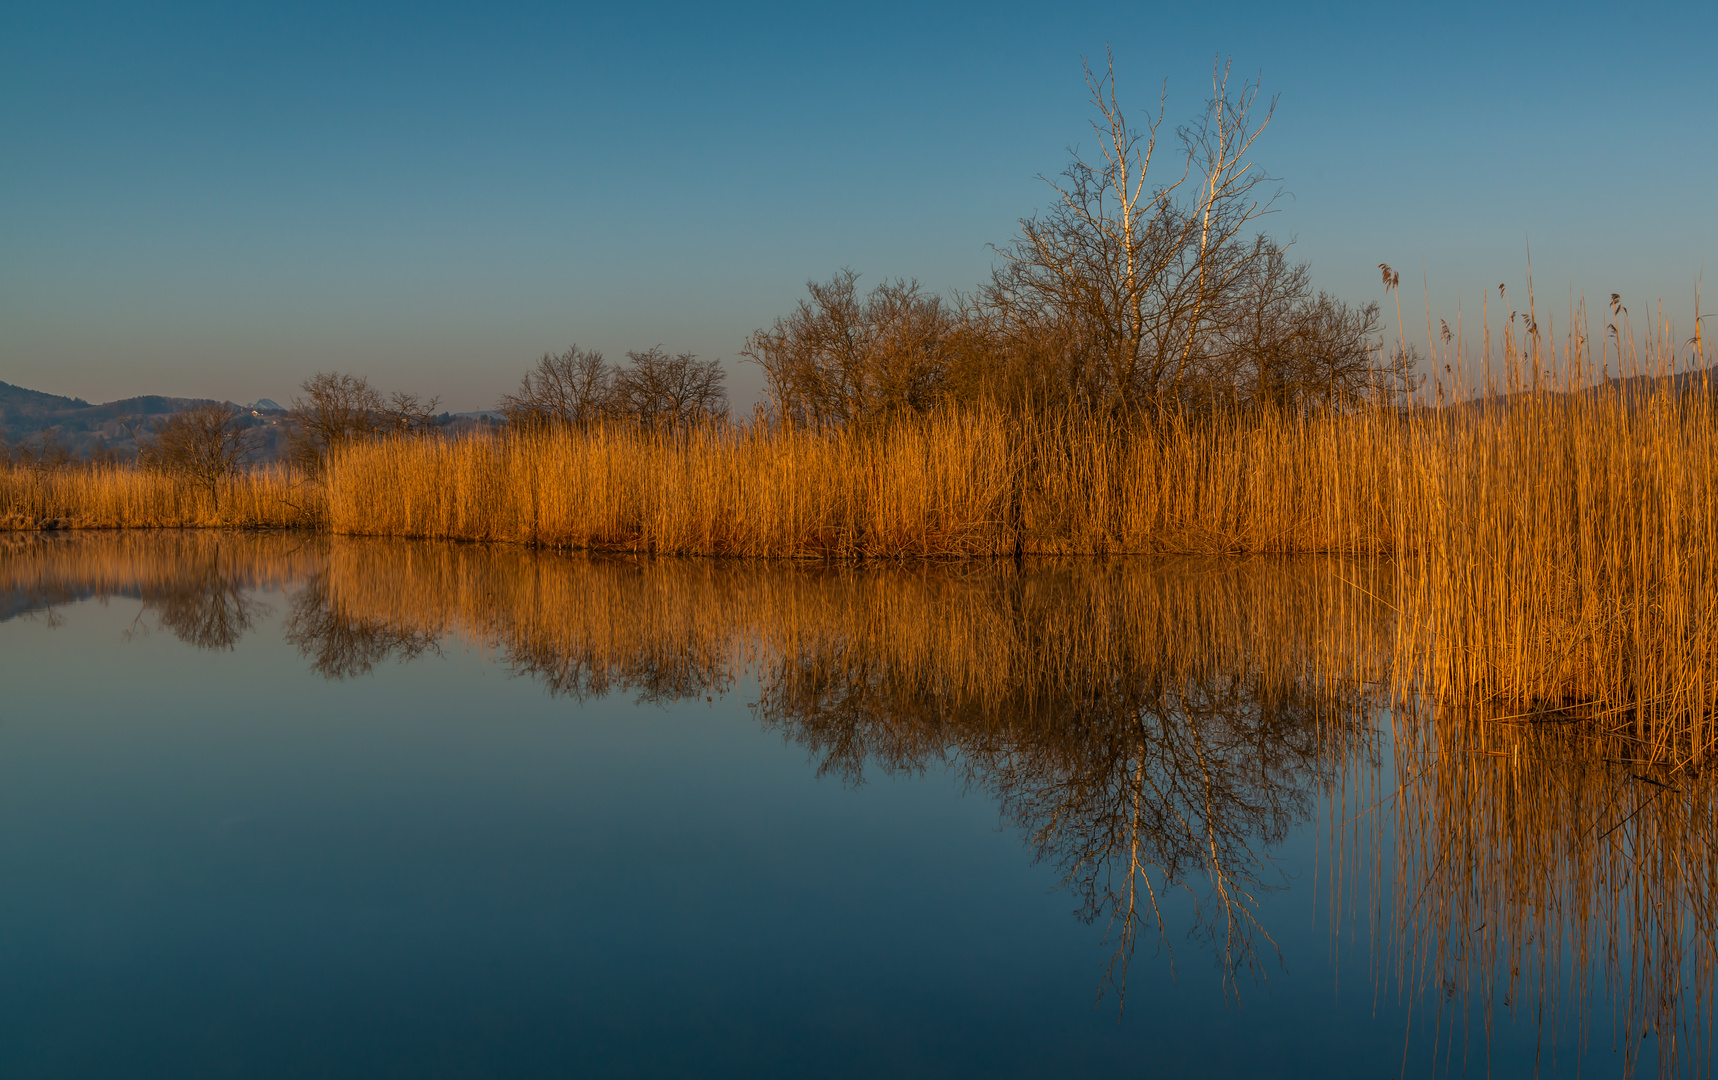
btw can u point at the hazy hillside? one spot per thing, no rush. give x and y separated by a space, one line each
40 422
1634 391
34 424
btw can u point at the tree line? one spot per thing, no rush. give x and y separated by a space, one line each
1144 288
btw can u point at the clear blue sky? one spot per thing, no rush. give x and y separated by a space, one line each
221 200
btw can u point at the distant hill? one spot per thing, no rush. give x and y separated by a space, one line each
54 425
34 424
1633 391
16 398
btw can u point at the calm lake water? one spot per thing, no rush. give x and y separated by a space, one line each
296 806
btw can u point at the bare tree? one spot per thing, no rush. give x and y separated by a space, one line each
408 414
334 410
42 450
1138 290
205 444
842 358
571 389
1218 148
661 390
1290 349
1130 282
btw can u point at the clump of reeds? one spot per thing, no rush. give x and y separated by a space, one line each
970 482
1562 564
136 497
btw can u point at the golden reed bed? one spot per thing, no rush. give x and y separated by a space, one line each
1554 552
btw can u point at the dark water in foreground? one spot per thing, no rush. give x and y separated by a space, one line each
286 807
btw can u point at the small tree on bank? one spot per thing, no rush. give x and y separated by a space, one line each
333 411
336 410
577 388
660 390
842 357
204 444
570 389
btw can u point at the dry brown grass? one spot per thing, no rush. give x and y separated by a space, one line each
1562 562
133 497
959 483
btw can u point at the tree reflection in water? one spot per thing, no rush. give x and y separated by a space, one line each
340 645
1146 726
198 586
1150 728
1146 763
209 607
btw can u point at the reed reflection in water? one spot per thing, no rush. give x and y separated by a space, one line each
1150 728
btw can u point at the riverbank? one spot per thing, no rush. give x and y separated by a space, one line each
1554 560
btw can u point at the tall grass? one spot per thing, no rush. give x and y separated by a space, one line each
958 483
1562 560
133 497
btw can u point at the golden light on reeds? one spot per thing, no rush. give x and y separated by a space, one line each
132 497
1553 537
1528 864
950 484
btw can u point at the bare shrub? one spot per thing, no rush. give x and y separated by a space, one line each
336 410
572 389
204 444
660 390
842 358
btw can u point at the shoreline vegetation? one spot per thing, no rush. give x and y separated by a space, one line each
1552 555
1143 374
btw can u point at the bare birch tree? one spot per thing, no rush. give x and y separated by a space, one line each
1127 276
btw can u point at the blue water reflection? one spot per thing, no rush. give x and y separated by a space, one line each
407 827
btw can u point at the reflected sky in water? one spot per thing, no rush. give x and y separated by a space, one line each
285 807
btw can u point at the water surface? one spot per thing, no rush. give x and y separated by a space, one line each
288 806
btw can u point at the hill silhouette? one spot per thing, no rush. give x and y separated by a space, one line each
52 425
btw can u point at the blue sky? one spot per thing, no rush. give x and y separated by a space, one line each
221 200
